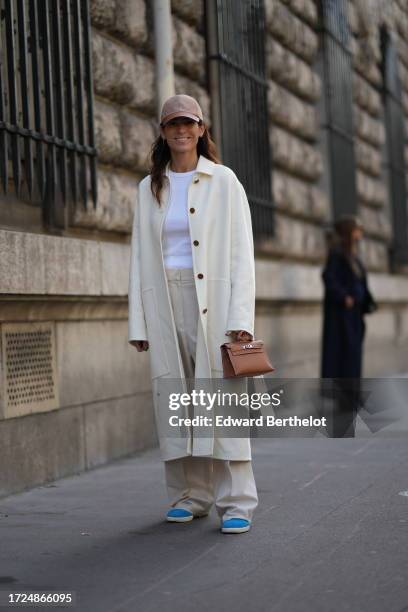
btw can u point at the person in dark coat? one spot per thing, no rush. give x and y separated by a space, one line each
347 300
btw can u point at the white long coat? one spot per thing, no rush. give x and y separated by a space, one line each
220 220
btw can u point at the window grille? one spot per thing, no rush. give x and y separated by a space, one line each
237 49
46 104
339 104
395 141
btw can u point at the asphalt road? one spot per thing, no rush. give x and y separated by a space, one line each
330 534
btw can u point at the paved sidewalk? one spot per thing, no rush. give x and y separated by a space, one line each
330 534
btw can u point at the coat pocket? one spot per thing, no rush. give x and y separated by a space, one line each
159 364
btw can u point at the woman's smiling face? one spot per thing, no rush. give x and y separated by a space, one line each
182 134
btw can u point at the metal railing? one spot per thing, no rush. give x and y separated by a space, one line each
238 52
46 104
339 103
395 141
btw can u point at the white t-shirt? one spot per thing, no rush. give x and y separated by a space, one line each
176 232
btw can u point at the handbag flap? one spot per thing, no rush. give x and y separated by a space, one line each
242 348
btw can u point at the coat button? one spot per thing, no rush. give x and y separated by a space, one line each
204 310
200 275
196 243
196 180
192 210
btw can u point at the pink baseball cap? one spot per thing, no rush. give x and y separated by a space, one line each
181 105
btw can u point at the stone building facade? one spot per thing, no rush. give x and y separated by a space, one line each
70 288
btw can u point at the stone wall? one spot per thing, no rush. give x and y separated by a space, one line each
294 91
125 97
126 125
300 160
365 19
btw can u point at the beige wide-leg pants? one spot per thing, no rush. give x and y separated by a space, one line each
196 483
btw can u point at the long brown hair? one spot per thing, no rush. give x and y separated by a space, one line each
343 240
160 155
344 227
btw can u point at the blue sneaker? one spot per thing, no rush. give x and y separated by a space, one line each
179 515
235 525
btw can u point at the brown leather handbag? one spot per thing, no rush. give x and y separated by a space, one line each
241 359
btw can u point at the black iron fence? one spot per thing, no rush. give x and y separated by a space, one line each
395 137
238 49
339 103
46 104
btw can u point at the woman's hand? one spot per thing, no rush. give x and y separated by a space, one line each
141 345
241 335
349 301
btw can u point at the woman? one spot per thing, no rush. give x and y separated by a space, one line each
192 288
347 299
